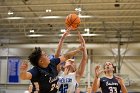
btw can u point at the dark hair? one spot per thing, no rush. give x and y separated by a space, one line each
35 56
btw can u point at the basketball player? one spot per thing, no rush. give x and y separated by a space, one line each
109 83
44 71
57 54
70 77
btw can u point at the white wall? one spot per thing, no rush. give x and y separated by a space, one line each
3 71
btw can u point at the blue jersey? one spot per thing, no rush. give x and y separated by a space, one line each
109 85
46 77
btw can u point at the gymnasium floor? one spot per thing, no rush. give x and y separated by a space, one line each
111 29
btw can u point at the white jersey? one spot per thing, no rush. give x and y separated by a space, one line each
67 83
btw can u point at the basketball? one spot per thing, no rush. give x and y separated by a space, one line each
73 21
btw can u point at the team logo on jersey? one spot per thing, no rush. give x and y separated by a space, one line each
65 80
52 79
112 83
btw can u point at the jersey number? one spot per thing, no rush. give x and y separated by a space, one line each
54 86
63 88
113 90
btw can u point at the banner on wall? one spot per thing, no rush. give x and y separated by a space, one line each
13 69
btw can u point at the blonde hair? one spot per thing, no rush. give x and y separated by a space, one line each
70 60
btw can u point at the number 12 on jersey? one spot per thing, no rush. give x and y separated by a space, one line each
63 88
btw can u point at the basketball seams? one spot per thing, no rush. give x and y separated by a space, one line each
77 24
74 20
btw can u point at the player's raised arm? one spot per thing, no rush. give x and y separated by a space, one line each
81 68
58 51
96 81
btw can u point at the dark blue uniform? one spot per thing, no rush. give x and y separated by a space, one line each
109 85
46 77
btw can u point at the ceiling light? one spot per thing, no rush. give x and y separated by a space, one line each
82 16
86 29
63 30
14 18
10 12
78 9
35 35
48 10
32 31
90 34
